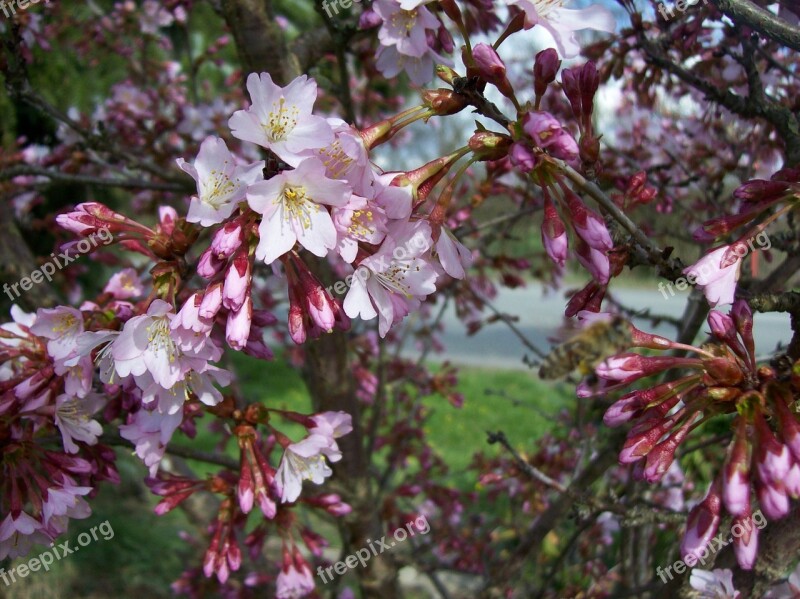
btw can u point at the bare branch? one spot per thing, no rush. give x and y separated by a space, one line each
763 21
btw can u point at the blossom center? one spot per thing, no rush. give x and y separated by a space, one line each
361 223
159 339
404 19
335 160
70 410
393 278
280 121
303 465
217 189
298 207
64 323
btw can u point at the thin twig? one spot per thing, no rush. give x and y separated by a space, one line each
532 471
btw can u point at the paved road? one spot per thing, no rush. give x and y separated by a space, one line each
541 314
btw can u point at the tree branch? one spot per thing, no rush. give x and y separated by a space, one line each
763 21
17 171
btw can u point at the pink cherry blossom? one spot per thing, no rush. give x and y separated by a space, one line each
391 62
392 283
548 133
73 419
146 345
293 208
714 583
151 431
347 158
358 220
303 461
18 533
281 119
221 183
66 500
293 583
124 284
61 326
404 29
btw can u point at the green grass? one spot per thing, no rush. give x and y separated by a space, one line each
513 401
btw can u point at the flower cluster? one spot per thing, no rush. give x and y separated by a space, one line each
329 199
129 359
722 378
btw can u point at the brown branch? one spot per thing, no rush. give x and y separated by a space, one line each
180 451
780 117
525 466
767 24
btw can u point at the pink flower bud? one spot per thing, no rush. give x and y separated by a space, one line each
660 458
593 260
629 366
589 82
522 157
589 298
771 456
297 327
548 133
759 190
743 318
639 444
745 539
244 489
227 240
490 66
773 500
212 301
237 281
792 480
554 234
545 69
569 84
735 475
789 427
209 265
320 309
723 328
702 524
589 225
237 329
369 19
